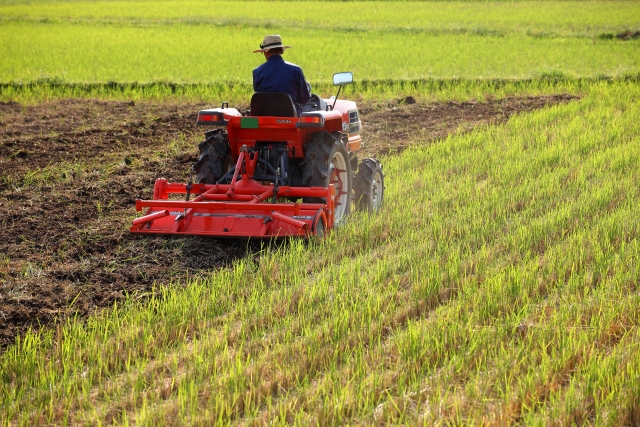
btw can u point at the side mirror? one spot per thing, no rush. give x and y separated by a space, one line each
342 79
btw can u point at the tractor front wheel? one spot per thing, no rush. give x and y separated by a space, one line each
369 185
327 162
215 158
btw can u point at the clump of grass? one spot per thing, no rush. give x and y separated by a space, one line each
238 94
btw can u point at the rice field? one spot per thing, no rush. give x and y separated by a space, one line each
188 54
144 42
537 18
498 285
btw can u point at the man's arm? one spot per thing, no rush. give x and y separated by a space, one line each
255 89
303 90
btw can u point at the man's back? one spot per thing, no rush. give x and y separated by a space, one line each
278 75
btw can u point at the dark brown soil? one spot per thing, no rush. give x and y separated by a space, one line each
403 124
70 172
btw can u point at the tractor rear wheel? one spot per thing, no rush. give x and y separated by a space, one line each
215 158
327 162
369 186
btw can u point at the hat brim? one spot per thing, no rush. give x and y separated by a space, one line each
272 47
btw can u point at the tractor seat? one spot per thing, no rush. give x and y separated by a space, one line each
276 104
315 103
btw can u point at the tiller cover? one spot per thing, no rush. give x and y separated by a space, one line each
243 208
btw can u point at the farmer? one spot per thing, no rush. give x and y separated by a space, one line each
278 75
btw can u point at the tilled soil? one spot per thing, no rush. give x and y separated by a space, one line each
70 172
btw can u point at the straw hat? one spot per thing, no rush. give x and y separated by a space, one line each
271 42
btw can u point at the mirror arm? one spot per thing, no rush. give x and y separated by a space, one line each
336 100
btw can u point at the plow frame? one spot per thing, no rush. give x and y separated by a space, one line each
243 208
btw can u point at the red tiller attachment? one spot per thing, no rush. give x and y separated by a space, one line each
238 209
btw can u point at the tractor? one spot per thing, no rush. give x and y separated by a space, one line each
270 172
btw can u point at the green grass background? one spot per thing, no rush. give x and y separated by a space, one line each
569 18
206 54
203 42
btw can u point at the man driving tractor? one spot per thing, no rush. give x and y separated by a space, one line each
271 173
278 75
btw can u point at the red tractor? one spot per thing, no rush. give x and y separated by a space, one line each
270 173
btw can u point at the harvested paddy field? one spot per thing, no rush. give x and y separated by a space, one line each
72 169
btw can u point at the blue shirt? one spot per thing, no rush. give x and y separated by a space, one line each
278 75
